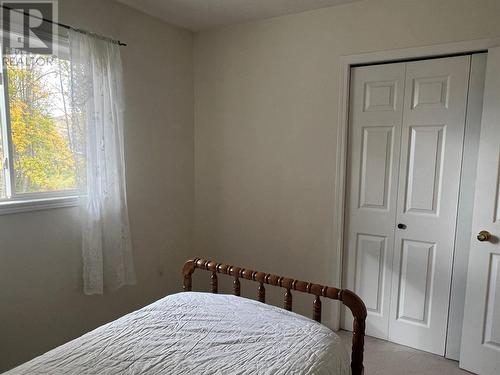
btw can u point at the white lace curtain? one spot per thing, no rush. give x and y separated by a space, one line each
97 110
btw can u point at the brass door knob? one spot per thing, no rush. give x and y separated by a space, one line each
484 235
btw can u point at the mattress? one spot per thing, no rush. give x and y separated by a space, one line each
200 333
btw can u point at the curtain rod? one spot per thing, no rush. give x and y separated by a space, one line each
68 27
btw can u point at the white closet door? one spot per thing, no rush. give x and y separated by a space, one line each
480 349
374 145
430 168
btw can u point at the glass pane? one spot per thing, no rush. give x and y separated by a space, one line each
40 120
3 193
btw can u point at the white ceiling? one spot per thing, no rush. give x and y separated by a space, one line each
204 14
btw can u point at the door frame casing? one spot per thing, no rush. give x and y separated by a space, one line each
465 204
345 64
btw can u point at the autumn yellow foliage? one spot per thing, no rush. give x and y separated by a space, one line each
43 160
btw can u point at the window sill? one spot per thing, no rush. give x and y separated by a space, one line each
17 206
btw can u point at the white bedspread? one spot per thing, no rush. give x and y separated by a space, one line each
199 333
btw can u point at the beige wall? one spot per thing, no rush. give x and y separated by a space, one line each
41 300
264 141
266 99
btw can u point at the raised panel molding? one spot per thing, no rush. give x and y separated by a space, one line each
370 270
496 219
415 281
430 92
380 96
425 164
492 325
376 163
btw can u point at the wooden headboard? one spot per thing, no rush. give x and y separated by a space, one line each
348 298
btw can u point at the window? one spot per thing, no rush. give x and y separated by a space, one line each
38 146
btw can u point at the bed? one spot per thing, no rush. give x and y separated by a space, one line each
211 333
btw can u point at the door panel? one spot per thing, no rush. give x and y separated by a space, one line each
374 146
415 280
480 349
371 251
492 324
430 168
430 92
424 170
376 167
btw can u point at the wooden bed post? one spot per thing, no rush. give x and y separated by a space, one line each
358 309
187 272
348 298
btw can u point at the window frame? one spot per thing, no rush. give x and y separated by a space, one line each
22 202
